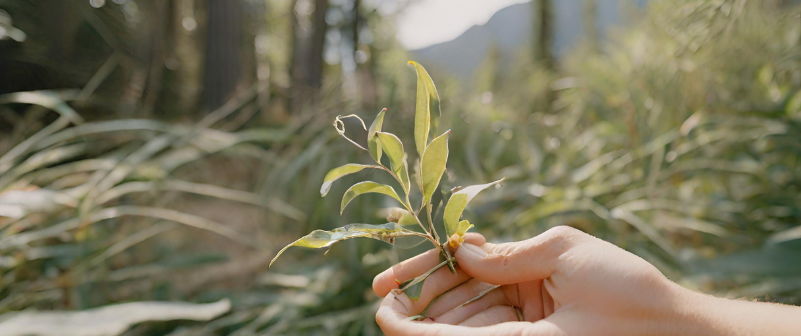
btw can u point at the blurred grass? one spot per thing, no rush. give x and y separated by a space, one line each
679 141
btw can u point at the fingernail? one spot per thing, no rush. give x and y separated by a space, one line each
475 250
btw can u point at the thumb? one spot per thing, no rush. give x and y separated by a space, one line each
509 263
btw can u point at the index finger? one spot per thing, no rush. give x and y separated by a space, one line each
393 318
414 267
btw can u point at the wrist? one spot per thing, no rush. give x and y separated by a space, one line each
693 313
686 312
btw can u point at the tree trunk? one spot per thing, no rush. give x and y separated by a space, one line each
543 54
365 67
357 18
224 57
183 73
544 34
306 71
314 58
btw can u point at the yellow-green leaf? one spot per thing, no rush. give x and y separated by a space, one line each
320 238
457 204
336 173
364 188
434 161
458 236
427 108
397 157
462 227
372 143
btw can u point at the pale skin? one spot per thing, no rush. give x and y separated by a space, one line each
562 283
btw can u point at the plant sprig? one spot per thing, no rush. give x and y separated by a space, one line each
432 166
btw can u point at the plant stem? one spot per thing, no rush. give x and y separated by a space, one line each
431 222
407 205
431 235
448 257
474 299
422 277
442 247
418 234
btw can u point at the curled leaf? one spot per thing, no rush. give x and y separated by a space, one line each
366 187
372 143
336 173
427 108
340 127
352 116
434 161
397 157
401 216
457 204
321 238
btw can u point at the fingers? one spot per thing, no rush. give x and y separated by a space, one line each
510 263
413 267
434 285
547 302
531 293
404 271
532 296
491 316
456 296
475 238
392 318
437 283
458 315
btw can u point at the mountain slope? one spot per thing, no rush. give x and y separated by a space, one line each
510 30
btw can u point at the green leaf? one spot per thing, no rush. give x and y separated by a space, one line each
434 160
320 238
427 108
336 173
457 204
413 292
397 157
366 187
372 143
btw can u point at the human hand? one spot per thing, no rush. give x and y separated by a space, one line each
564 282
